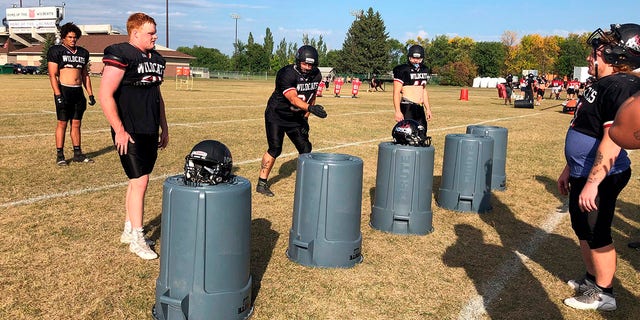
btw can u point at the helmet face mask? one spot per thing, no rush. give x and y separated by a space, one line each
209 162
307 54
410 132
417 52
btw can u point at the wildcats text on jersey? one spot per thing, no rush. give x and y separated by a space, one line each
151 67
73 59
419 76
312 86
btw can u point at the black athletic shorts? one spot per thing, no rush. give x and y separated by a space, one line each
299 136
414 111
74 103
595 227
141 156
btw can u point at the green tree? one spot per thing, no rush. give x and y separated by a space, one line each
257 59
207 57
489 58
239 59
280 56
268 46
461 48
365 51
549 54
49 40
397 53
457 73
437 54
332 59
573 53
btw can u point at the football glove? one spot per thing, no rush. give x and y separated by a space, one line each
318 111
92 100
59 100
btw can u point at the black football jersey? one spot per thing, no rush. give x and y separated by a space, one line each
597 107
66 58
279 109
408 75
138 96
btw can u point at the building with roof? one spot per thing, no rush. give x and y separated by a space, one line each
95 44
24 32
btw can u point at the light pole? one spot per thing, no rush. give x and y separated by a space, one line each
235 16
167 17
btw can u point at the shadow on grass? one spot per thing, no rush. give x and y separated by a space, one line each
571 250
286 169
107 149
624 232
263 242
505 285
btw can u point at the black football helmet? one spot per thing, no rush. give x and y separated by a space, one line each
621 44
410 132
307 54
415 51
209 162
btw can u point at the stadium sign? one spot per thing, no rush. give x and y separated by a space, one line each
35 13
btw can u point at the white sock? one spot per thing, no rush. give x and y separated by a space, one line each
127 226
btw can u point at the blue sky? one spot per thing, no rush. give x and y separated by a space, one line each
209 23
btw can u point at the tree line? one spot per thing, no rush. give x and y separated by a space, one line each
368 50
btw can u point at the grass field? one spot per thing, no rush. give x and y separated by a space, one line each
60 256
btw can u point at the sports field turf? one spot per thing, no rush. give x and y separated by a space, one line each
60 256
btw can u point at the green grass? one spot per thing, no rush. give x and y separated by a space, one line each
60 256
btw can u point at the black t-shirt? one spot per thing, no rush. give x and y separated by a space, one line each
279 108
66 58
138 96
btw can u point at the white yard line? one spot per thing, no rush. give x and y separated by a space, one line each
476 306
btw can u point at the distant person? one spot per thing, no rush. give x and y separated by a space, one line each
597 169
556 88
540 87
288 109
132 103
508 86
529 87
573 88
67 65
410 97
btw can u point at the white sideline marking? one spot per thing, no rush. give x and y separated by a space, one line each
475 307
110 186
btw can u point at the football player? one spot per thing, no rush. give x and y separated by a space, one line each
410 97
288 110
132 103
67 65
597 169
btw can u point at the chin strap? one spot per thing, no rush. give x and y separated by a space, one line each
595 61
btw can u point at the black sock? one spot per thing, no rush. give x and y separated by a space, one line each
60 151
77 150
606 290
590 277
262 181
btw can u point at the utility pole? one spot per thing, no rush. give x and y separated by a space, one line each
235 16
167 17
